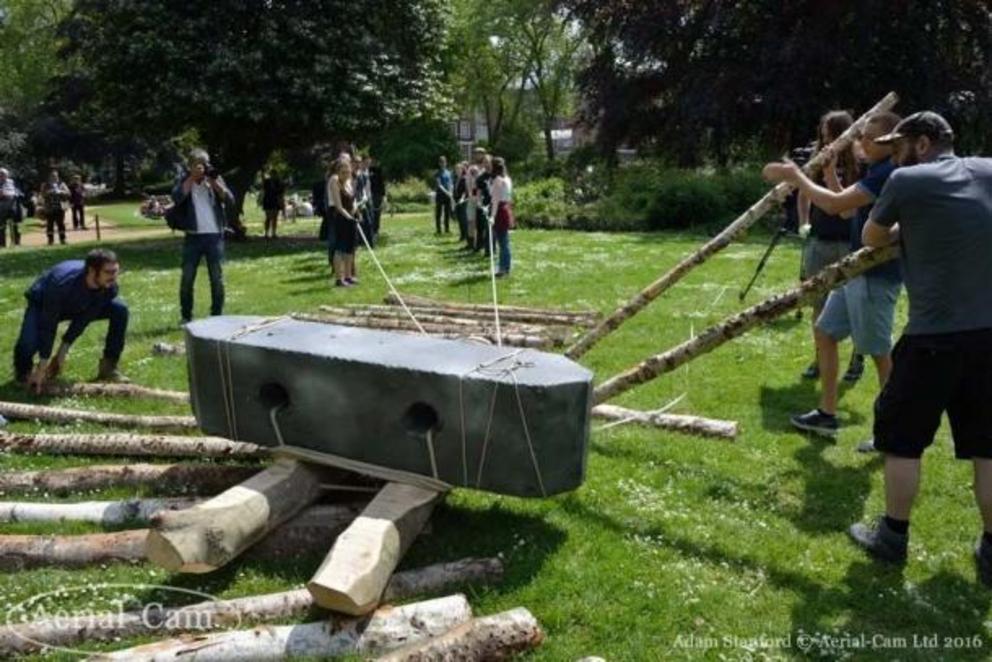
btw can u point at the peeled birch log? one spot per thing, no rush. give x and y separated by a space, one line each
207 536
519 312
829 278
164 478
69 631
116 390
496 637
437 325
706 427
107 513
356 571
722 240
395 313
313 528
59 415
130 445
440 315
387 629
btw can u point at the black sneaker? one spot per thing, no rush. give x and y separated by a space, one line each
855 369
880 541
983 561
816 421
811 372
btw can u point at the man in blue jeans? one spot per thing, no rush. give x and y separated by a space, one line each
79 292
200 197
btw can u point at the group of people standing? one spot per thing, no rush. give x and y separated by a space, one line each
480 195
56 197
355 194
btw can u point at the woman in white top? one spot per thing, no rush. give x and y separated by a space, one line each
502 202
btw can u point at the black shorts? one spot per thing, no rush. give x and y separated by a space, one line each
932 374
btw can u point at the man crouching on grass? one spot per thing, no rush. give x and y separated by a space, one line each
79 292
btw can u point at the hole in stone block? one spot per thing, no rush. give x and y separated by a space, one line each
273 395
421 417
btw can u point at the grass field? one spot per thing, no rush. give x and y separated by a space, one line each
676 547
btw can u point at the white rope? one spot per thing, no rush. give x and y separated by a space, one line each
385 277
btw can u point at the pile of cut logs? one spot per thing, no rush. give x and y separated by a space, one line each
254 505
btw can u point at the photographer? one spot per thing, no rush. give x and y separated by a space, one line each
200 196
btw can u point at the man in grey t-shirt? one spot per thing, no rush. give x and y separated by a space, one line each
939 208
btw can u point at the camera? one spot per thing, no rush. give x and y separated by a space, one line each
212 172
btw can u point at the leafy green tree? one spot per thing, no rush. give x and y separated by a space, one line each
412 148
253 76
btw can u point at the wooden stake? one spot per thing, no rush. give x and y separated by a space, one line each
59 415
163 478
107 513
829 278
207 536
355 572
116 390
722 240
96 219
706 427
130 445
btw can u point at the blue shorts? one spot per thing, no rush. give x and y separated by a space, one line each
865 309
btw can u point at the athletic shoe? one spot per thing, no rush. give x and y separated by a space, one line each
811 372
351 281
816 421
983 561
855 369
880 541
867 446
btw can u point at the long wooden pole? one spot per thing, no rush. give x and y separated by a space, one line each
128 445
722 240
59 415
659 364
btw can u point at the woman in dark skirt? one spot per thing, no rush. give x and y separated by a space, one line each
344 217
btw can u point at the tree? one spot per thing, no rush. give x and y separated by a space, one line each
253 76
699 78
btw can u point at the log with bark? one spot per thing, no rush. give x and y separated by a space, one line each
116 390
429 313
59 415
207 536
107 513
523 313
168 349
830 277
706 427
497 637
387 629
447 322
723 239
193 479
128 445
70 631
353 576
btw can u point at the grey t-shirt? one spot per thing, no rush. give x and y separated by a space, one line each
944 212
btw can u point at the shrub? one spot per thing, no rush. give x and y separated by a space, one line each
410 195
541 203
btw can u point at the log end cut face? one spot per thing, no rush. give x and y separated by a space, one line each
499 419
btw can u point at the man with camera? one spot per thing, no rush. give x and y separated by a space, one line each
200 197
78 292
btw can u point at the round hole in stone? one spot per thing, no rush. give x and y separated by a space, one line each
273 395
421 418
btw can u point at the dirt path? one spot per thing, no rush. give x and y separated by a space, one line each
35 233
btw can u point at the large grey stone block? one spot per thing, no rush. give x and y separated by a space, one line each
385 399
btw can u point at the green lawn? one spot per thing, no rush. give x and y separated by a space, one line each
674 543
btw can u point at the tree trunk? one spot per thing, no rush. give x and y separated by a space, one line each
353 576
191 479
549 143
831 276
705 427
722 240
116 390
106 513
497 637
536 313
69 631
387 629
207 536
59 415
128 445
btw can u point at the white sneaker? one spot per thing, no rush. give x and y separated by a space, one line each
867 446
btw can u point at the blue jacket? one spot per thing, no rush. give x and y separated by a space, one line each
61 293
187 220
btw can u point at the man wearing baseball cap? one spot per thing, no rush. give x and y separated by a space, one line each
938 206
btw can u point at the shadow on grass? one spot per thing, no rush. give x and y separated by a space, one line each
778 404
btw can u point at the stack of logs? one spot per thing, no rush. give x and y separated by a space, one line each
254 505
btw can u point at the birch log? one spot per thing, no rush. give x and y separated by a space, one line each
129 445
207 536
163 478
706 427
437 325
722 240
427 313
496 637
394 313
107 513
70 631
116 390
829 278
535 314
353 576
59 415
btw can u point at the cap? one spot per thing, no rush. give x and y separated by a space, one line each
924 123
